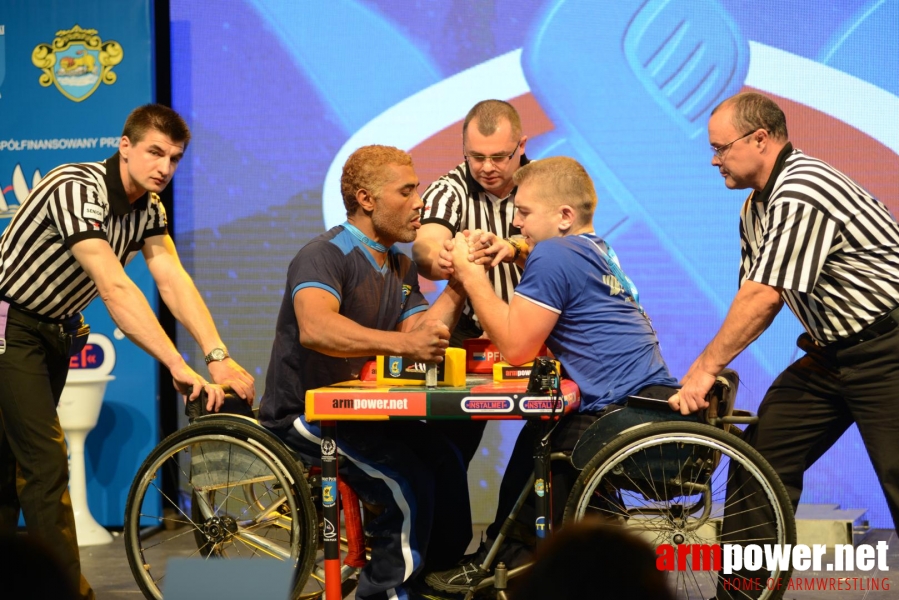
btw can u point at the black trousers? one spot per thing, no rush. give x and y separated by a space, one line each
807 409
34 468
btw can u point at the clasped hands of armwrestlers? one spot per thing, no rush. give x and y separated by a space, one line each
477 247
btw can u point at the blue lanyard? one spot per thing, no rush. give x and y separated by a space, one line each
611 259
364 238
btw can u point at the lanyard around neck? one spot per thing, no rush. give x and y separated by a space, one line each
377 247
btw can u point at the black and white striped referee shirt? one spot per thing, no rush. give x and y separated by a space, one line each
831 246
457 201
38 272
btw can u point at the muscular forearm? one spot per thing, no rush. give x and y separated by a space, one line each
751 312
492 312
133 316
448 305
182 298
425 256
335 335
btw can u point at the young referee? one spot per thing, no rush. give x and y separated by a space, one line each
69 243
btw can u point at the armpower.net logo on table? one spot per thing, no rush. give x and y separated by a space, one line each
393 404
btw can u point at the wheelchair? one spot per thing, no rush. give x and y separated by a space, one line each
248 496
671 480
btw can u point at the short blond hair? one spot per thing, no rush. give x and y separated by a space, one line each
561 180
366 169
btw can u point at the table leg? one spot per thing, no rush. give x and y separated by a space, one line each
542 485
331 511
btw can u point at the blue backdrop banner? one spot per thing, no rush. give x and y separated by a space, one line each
70 72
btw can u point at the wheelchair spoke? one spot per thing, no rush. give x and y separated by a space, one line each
673 483
246 496
262 544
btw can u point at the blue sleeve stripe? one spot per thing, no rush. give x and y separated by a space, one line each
314 284
412 311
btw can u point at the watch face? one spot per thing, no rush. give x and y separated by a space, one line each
217 354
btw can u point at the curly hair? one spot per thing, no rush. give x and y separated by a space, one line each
156 117
365 170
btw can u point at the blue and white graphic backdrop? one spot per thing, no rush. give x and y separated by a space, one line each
279 92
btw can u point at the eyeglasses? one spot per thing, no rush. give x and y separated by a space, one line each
720 151
498 160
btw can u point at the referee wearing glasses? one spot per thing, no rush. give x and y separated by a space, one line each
810 237
477 195
68 244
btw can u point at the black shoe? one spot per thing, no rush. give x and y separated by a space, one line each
422 591
458 580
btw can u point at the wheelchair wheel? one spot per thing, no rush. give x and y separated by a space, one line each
249 499
672 483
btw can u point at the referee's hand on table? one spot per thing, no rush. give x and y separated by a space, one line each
228 372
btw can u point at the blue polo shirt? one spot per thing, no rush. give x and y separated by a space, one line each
601 338
375 297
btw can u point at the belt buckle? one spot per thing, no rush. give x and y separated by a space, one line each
2 345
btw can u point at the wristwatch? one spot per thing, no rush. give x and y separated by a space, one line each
516 246
217 354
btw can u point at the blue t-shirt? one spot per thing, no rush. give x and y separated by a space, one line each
375 297
601 338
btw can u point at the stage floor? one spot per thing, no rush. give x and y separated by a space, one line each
106 568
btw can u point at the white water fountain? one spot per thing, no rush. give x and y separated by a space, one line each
78 410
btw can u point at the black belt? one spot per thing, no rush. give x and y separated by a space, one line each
881 326
72 332
69 325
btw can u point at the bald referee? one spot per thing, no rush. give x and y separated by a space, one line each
69 243
813 238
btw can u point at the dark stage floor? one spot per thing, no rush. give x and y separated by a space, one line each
106 567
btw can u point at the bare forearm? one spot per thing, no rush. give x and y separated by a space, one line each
335 335
492 312
448 305
750 314
132 314
425 255
182 298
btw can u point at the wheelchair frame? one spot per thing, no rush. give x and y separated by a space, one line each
251 497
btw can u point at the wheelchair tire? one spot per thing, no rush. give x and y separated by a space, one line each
249 499
668 483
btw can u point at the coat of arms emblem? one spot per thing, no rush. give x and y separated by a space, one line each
76 62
